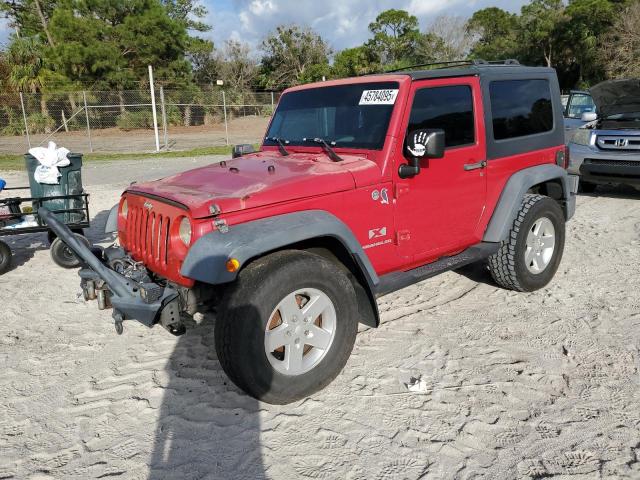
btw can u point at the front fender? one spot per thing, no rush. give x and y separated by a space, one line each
207 258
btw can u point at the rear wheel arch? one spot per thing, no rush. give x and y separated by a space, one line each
551 188
548 180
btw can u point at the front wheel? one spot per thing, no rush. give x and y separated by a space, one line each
529 257
287 326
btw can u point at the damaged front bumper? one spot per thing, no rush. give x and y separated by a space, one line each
109 277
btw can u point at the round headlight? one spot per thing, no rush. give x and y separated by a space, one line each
185 231
582 136
124 208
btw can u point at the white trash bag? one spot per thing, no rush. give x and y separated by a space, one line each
50 159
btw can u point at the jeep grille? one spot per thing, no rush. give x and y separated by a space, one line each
148 236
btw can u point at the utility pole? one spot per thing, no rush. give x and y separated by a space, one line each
153 108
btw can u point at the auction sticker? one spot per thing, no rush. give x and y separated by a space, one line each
378 97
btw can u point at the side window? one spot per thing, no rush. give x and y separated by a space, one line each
520 108
448 108
580 103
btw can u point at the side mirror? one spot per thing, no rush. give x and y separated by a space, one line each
589 116
242 149
423 143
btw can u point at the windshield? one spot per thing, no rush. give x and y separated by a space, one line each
580 103
347 116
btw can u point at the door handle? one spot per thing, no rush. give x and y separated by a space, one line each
475 166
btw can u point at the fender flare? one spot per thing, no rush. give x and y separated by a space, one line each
517 186
207 257
112 220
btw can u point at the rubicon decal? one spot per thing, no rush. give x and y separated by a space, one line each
377 233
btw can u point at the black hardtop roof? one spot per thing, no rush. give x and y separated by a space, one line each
475 69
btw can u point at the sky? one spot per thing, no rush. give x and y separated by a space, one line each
343 23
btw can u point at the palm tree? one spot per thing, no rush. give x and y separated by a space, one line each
27 70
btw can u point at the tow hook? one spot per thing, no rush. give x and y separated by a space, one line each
118 319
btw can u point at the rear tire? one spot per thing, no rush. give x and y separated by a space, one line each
5 257
266 317
525 261
63 256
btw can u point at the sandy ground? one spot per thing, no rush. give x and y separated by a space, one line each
507 385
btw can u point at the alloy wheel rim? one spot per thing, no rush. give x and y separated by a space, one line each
540 245
300 331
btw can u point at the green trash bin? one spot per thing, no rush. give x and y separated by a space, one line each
70 183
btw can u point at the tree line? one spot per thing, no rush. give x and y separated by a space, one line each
107 45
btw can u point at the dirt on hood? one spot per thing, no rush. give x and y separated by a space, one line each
258 179
617 96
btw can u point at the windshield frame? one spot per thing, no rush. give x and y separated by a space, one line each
359 84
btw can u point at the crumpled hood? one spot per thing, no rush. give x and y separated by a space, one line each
259 179
616 96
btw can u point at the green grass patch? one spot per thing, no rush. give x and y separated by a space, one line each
16 162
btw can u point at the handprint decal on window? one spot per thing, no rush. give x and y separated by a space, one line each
420 141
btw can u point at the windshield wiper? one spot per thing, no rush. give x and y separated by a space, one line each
281 142
330 151
623 119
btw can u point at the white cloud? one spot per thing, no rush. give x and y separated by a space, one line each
420 8
258 7
343 23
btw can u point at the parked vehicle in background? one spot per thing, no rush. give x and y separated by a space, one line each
362 187
607 149
579 110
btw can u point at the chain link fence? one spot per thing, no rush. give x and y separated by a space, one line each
123 121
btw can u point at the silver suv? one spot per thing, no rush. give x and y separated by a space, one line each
606 150
578 111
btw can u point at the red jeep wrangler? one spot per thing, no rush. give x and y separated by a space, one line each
362 186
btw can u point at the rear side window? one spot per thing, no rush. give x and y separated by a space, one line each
520 108
448 108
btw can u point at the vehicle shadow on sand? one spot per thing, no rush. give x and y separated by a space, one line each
96 233
477 272
208 428
23 247
625 192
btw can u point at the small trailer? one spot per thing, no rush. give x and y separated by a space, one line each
16 221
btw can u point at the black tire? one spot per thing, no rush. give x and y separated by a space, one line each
63 256
587 187
247 306
508 267
51 236
5 257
